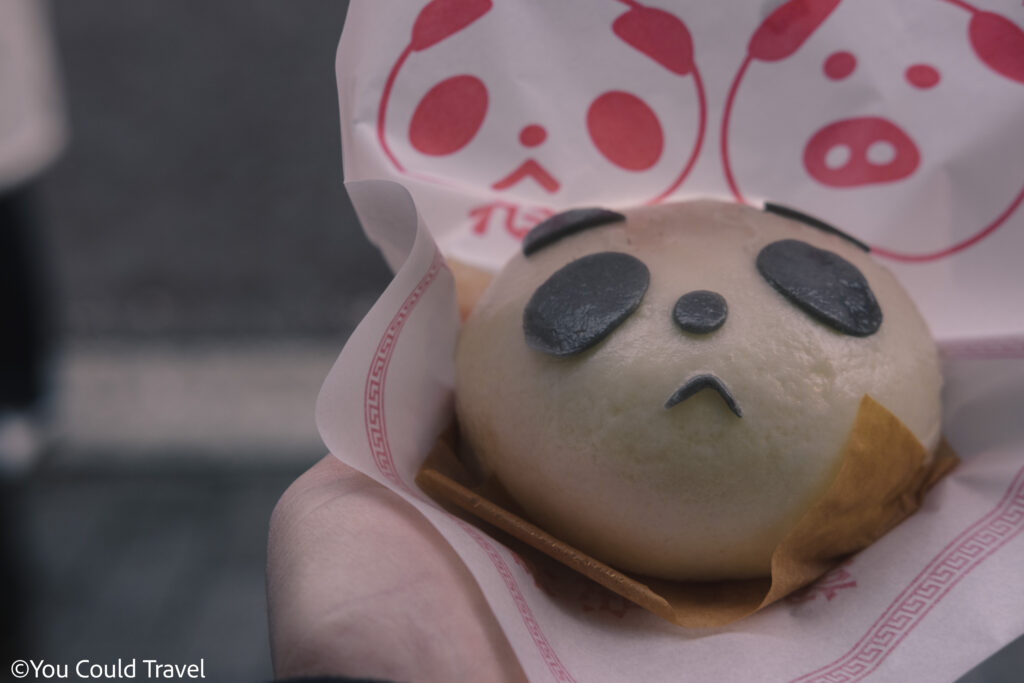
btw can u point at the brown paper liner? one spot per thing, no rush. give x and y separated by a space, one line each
470 283
882 481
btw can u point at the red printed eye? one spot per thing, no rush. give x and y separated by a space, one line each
922 76
839 65
449 115
625 130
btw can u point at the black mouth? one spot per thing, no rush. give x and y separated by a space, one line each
698 383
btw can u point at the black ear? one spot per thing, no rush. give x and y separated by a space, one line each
823 284
583 302
566 223
795 215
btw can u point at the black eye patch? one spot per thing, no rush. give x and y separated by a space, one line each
564 224
823 284
580 304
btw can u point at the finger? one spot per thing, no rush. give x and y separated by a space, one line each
359 583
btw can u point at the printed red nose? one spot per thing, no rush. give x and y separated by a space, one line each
860 151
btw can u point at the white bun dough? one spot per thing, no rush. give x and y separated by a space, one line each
585 444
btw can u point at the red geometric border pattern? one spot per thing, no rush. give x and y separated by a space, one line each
377 438
555 665
373 392
936 580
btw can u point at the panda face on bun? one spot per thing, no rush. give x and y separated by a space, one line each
670 388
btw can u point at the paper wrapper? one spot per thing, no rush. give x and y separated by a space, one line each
884 476
740 92
898 122
927 601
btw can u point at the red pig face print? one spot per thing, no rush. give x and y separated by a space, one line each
546 117
867 114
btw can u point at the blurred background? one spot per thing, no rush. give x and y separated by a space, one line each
200 268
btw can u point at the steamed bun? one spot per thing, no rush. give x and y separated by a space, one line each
670 388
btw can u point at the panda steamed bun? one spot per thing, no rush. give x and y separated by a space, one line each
668 389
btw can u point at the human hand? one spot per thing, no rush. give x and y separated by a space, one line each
360 584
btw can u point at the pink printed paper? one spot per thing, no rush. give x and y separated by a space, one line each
897 122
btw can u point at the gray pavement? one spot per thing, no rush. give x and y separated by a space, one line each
201 193
152 561
209 401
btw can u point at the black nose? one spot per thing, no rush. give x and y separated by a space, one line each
700 311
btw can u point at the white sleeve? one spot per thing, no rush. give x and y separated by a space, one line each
32 126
